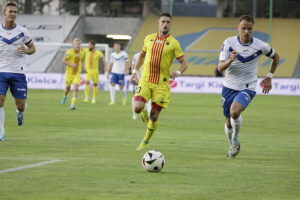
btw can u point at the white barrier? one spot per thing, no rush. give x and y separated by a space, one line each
184 84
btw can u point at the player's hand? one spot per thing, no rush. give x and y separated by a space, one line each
22 49
266 85
232 56
75 66
133 78
174 75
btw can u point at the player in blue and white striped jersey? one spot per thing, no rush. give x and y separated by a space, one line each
15 42
239 58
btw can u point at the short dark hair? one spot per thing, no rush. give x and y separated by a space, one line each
92 42
10 3
248 18
165 15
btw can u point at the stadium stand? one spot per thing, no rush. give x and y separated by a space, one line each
201 40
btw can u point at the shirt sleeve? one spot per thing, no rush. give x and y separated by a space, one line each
267 50
67 55
224 54
178 51
125 56
27 37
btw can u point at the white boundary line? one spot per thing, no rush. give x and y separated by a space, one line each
29 166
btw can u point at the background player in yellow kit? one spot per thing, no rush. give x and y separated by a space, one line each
91 65
158 53
73 60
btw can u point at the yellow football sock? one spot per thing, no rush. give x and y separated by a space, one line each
151 127
87 91
73 100
95 91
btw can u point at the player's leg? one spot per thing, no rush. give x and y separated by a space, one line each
68 82
112 91
227 99
142 94
160 99
121 83
151 125
20 105
240 102
76 83
75 95
3 89
86 87
134 114
18 88
2 117
95 77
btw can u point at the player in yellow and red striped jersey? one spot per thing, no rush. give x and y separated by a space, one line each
157 55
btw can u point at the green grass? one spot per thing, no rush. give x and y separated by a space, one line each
97 144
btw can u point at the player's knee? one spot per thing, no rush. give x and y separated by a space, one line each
235 114
95 84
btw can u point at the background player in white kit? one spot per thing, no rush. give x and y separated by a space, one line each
135 83
118 62
239 57
15 42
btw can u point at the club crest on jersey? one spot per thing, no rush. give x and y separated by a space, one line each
167 43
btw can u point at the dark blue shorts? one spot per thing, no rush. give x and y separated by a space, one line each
243 97
16 82
117 79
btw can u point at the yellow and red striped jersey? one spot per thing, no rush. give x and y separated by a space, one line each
160 53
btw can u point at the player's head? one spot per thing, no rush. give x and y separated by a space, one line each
76 44
91 45
117 47
10 11
164 23
246 27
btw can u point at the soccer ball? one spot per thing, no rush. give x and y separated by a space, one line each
153 161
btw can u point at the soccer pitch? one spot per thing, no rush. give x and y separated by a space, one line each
95 145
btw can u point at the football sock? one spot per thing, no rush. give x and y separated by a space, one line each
144 116
73 102
123 92
95 91
228 132
236 125
86 91
112 94
151 127
2 117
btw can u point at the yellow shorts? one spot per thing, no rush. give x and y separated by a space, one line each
92 75
72 79
158 93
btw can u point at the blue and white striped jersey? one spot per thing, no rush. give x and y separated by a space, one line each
10 40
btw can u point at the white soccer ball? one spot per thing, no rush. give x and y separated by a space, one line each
153 161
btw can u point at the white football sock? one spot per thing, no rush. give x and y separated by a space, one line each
123 92
112 94
228 132
236 125
2 117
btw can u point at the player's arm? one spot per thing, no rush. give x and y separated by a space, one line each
138 65
266 83
182 68
66 62
28 49
224 64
